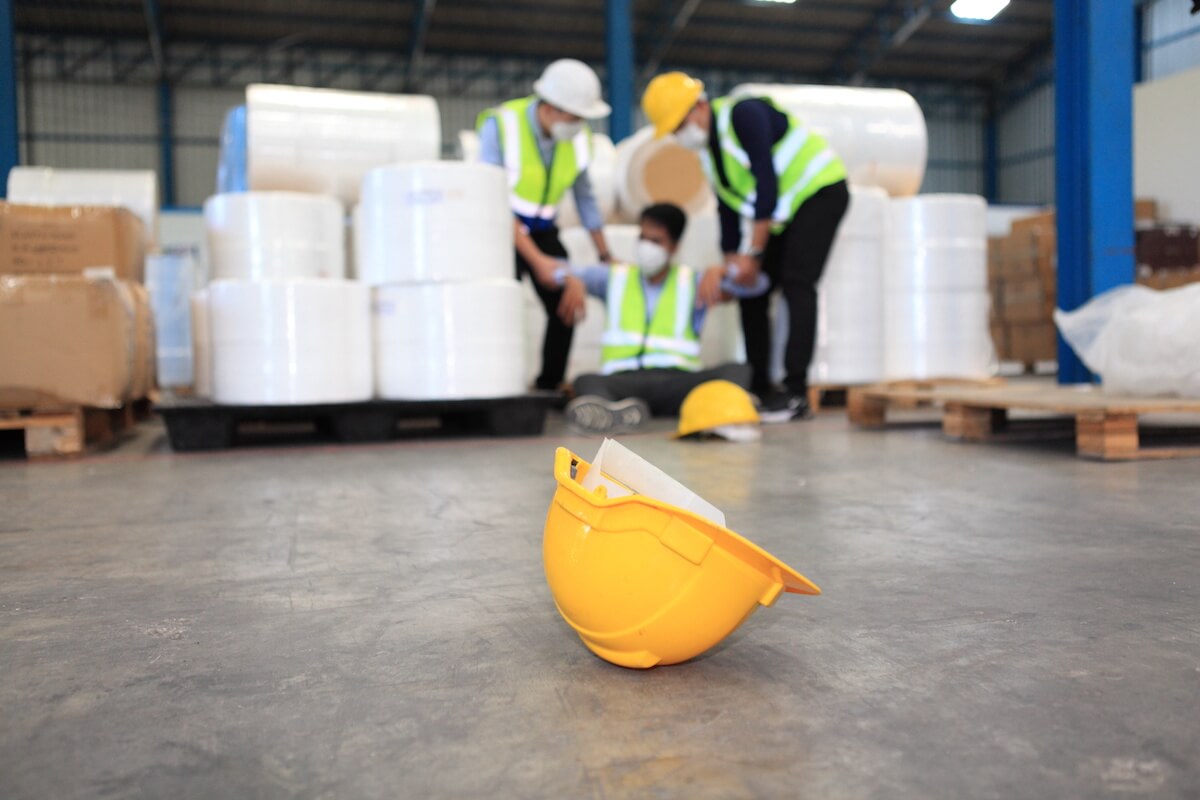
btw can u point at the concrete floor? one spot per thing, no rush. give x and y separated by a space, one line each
999 621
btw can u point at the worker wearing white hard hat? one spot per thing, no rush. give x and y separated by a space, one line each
544 144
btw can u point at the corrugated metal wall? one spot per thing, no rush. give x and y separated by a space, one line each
1025 149
1170 44
955 156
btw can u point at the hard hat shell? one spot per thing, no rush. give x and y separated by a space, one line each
645 583
715 403
572 85
668 99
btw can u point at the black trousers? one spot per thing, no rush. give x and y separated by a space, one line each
794 260
662 389
556 344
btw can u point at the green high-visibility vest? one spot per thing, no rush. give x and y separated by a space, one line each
533 190
667 340
804 164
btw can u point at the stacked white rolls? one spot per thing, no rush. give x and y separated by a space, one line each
434 240
935 289
284 325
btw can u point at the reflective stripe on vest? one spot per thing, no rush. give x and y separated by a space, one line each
803 162
666 340
533 190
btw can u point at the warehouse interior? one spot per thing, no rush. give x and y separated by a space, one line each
296 505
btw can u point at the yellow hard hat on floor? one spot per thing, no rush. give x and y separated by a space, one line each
668 99
645 583
714 404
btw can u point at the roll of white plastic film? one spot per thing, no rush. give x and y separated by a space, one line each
449 341
440 222
325 140
275 236
290 342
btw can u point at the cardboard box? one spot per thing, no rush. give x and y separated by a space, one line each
1169 278
1168 247
72 340
1032 342
56 240
1027 300
1145 212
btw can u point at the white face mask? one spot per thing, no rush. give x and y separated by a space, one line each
692 136
651 256
563 131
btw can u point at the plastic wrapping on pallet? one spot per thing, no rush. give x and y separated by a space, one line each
134 189
650 170
324 140
938 335
449 341
445 221
937 242
231 158
849 341
170 279
290 342
275 236
201 345
880 134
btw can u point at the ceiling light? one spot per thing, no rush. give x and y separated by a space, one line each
983 10
772 2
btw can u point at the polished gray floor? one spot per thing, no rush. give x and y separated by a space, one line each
998 622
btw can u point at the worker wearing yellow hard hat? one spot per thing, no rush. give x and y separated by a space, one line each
781 194
544 145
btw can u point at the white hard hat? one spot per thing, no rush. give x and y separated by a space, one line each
572 86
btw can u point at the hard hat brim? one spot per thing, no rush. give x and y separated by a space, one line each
597 110
747 551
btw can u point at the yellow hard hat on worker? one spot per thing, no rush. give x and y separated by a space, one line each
668 99
713 405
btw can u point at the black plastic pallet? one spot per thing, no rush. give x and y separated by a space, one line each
194 424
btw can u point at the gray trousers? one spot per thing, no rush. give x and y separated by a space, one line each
662 389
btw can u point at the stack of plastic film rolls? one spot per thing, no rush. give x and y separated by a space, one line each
280 323
434 241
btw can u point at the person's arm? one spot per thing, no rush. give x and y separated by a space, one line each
490 151
589 213
754 122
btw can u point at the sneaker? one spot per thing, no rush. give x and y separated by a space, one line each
784 406
592 414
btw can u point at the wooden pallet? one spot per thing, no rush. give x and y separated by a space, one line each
197 424
867 406
71 431
828 395
1105 426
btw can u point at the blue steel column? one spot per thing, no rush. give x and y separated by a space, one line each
991 160
1094 155
618 39
10 146
166 138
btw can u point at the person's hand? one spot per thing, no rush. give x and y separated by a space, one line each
748 269
572 308
709 293
544 268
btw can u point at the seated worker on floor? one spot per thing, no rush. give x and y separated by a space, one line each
651 347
